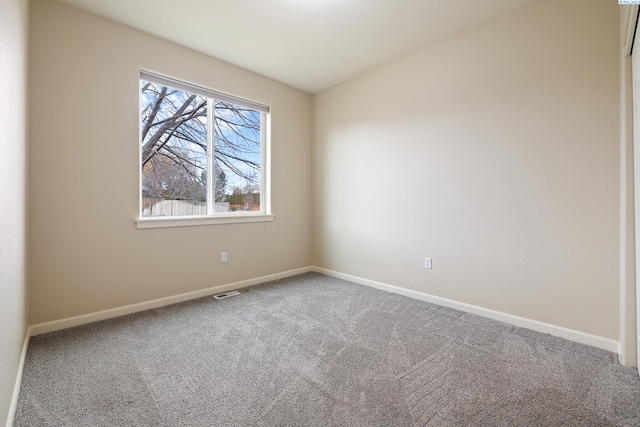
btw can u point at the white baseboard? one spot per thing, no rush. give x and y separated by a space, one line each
18 384
56 325
559 331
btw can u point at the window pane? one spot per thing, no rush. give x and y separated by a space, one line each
238 157
174 151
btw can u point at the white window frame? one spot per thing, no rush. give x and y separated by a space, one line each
212 218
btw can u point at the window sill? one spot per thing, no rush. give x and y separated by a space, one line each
188 221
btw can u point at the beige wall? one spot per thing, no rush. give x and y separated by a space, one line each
85 253
13 147
496 153
628 353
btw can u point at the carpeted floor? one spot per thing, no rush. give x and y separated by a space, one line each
317 351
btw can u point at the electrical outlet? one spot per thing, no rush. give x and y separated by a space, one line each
427 263
223 257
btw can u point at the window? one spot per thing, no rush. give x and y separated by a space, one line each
202 153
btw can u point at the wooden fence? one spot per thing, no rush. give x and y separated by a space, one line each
162 207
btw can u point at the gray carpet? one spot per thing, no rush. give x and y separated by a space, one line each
317 351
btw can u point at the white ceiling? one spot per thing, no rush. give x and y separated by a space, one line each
308 44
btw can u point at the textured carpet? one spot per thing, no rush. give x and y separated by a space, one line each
317 351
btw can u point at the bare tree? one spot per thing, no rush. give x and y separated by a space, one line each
174 133
163 179
251 196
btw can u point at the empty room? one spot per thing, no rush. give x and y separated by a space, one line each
319 213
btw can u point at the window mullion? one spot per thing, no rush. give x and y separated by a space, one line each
211 176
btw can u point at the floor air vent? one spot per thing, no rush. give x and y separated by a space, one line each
226 295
